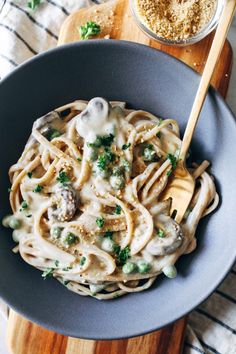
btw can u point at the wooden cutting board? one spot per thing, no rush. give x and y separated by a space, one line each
24 337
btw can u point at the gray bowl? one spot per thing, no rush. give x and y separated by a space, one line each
144 78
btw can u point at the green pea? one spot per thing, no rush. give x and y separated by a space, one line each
149 154
126 165
96 288
16 236
117 171
56 231
129 268
14 223
170 271
108 245
6 219
143 267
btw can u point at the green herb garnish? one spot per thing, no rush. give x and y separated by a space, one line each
30 174
66 282
24 205
82 260
160 121
53 133
66 269
105 159
158 135
123 255
126 146
56 263
149 154
102 140
116 249
108 234
37 189
71 239
173 160
33 4
63 178
117 209
160 233
79 159
100 222
48 273
89 30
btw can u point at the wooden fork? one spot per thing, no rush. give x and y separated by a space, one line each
182 184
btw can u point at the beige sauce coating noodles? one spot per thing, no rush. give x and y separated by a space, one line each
86 194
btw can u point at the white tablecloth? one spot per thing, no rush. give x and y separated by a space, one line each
24 33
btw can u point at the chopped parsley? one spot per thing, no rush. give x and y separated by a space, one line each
173 159
66 269
108 234
33 4
66 282
48 273
71 239
89 30
105 159
102 140
126 146
160 233
37 189
123 255
30 174
56 263
29 216
160 121
24 205
79 159
117 209
53 133
149 154
100 222
116 249
158 135
125 164
63 178
82 260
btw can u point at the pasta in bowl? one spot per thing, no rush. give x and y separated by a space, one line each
87 202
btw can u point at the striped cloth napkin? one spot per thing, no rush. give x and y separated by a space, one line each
24 33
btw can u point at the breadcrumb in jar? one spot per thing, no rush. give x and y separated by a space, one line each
176 20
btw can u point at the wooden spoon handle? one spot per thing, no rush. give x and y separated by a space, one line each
216 48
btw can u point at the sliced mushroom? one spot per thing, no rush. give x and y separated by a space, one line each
43 122
93 118
172 240
65 204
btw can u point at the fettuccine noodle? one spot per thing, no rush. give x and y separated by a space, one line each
86 198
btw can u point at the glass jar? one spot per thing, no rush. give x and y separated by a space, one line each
209 27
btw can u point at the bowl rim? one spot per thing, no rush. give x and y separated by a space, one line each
228 263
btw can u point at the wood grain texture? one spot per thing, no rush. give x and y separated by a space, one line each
25 337
117 23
